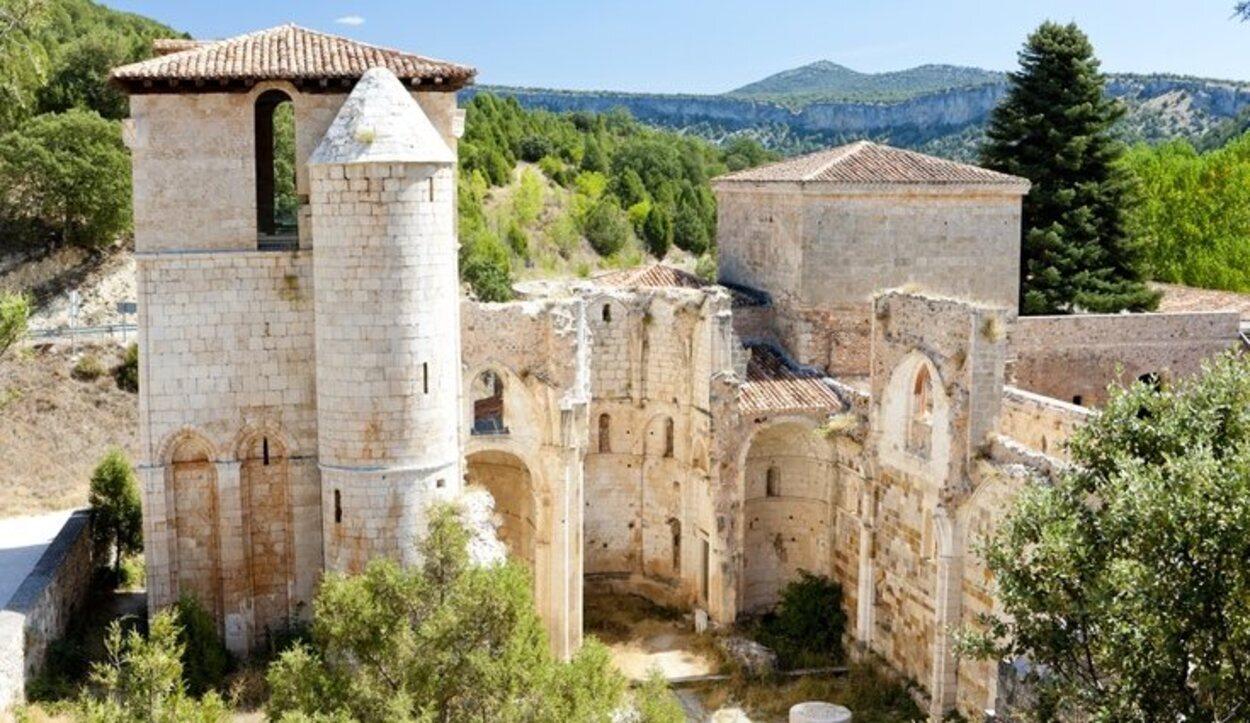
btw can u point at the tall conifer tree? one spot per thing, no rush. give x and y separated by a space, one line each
1053 128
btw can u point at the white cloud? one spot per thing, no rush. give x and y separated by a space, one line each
350 20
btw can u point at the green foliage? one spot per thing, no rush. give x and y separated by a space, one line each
126 374
527 202
705 268
205 660
807 627
116 516
1125 579
655 703
518 241
88 368
1193 215
444 641
141 680
657 230
286 200
67 174
823 81
14 315
606 227
1053 128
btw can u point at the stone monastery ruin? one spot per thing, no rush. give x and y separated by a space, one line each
856 397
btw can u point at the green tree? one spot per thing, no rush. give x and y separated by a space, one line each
527 202
690 231
69 172
140 680
446 641
81 79
657 230
1053 128
593 157
116 515
205 660
14 314
1126 578
606 227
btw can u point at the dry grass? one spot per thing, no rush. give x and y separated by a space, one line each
872 696
54 429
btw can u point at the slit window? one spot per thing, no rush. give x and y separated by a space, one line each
425 377
607 312
429 187
674 526
277 202
264 451
605 434
338 507
772 482
668 437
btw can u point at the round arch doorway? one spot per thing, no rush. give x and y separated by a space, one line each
508 480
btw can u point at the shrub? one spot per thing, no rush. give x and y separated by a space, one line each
205 660
87 369
127 373
655 703
606 228
518 240
705 268
14 314
657 230
807 627
117 518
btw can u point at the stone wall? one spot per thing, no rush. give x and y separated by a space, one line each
1039 422
40 610
1075 358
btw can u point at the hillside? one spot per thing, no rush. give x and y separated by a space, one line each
827 81
823 104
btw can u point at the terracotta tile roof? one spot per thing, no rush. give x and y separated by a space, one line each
661 276
864 162
1183 299
166 46
774 386
287 52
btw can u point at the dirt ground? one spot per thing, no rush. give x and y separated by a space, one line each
54 428
642 636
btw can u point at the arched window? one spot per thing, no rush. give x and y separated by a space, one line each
607 312
920 428
488 404
668 437
277 203
772 482
674 527
605 434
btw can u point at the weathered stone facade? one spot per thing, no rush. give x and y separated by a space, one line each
839 405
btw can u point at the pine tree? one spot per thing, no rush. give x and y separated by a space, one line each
1053 128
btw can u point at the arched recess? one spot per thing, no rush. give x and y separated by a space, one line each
510 483
194 509
914 419
265 485
790 529
277 202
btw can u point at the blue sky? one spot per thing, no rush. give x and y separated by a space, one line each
709 46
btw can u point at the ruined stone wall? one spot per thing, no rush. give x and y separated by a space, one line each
540 352
837 339
648 489
1039 422
1071 357
226 369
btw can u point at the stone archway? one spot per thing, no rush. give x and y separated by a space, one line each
510 483
789 483
192 485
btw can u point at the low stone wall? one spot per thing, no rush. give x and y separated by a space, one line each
1075 358
1039 422
43 605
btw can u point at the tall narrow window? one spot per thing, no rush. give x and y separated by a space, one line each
425 377
605 434
772 482
338 507
488 409
607 312
429 187
668 437
277 202
674 527
920 424
264 444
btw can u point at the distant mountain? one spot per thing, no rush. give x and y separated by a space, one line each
827 81
939 109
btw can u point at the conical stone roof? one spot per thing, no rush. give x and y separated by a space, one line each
381 123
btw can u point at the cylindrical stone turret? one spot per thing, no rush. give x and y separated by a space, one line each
387 307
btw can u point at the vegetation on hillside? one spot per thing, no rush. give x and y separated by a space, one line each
1124 582
1053 128
828 81
629 187
14 313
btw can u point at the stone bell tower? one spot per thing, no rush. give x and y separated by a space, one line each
387 310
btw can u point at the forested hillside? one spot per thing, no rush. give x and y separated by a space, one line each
827 81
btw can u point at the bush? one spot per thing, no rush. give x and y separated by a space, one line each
606 228
205 660
14 313
117 518
705 268
87 369
127 373
807 627
655 703
657 230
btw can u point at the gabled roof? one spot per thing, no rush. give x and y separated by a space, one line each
287 52
381 123
868 163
